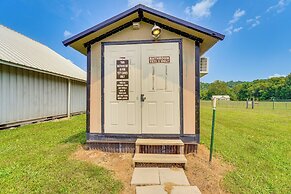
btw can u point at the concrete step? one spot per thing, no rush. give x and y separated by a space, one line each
177 142
161 189
159 158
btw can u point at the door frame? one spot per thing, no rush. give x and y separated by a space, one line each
179 41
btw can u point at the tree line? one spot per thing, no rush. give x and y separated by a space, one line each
278 88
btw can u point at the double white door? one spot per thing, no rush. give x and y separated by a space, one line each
141 89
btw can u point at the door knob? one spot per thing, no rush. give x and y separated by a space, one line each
142 97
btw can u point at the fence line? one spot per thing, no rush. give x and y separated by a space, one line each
282 105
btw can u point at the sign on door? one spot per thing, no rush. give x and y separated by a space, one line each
122 77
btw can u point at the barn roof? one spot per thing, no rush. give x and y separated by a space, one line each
205 36
21 51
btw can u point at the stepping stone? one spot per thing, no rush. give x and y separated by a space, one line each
154 189
145 176
175 176
185 190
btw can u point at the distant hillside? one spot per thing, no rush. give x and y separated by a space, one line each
261 89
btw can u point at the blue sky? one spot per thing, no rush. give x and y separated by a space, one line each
258 33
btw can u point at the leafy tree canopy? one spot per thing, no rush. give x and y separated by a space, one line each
261 89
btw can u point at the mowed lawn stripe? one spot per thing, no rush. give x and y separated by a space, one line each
36 159
256 142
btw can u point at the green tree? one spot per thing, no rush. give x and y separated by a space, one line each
261 89
218 88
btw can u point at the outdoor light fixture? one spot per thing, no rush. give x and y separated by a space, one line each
156 31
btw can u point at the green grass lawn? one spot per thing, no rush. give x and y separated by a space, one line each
256 142
36 159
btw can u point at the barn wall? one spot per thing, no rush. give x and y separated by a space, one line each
144 33
78 96
28 95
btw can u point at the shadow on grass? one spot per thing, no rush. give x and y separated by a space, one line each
76 138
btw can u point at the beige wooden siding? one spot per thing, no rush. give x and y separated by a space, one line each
144 33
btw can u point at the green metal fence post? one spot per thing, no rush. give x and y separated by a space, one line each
212 129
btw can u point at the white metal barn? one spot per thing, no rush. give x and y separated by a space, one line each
36 83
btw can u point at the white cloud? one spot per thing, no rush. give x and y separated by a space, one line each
289 50
276 75
150 3
237 15
67 33
279 7
200 9
229 30
253 22
237 29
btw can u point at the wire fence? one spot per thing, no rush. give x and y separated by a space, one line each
275 105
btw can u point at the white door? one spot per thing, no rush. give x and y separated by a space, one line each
160 87
122 89
151 70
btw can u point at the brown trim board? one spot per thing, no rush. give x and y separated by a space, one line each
197 88
179 41
88 89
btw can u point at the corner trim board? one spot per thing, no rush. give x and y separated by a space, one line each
102 89
88 89
197 88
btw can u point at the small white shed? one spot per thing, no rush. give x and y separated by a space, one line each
143 77
36 83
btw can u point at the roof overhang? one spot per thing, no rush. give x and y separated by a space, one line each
12 64
206 37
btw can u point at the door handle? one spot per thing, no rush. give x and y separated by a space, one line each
142 98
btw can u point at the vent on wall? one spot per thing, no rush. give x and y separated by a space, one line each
203 66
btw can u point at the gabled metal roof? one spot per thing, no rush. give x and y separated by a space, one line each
140 9
21 51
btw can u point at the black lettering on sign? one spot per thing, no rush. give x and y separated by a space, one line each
160 59
122 90
122 69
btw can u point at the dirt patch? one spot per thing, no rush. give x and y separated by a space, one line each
119 163
168 187
199 172
207 177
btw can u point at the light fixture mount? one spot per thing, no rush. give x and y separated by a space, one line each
156 31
